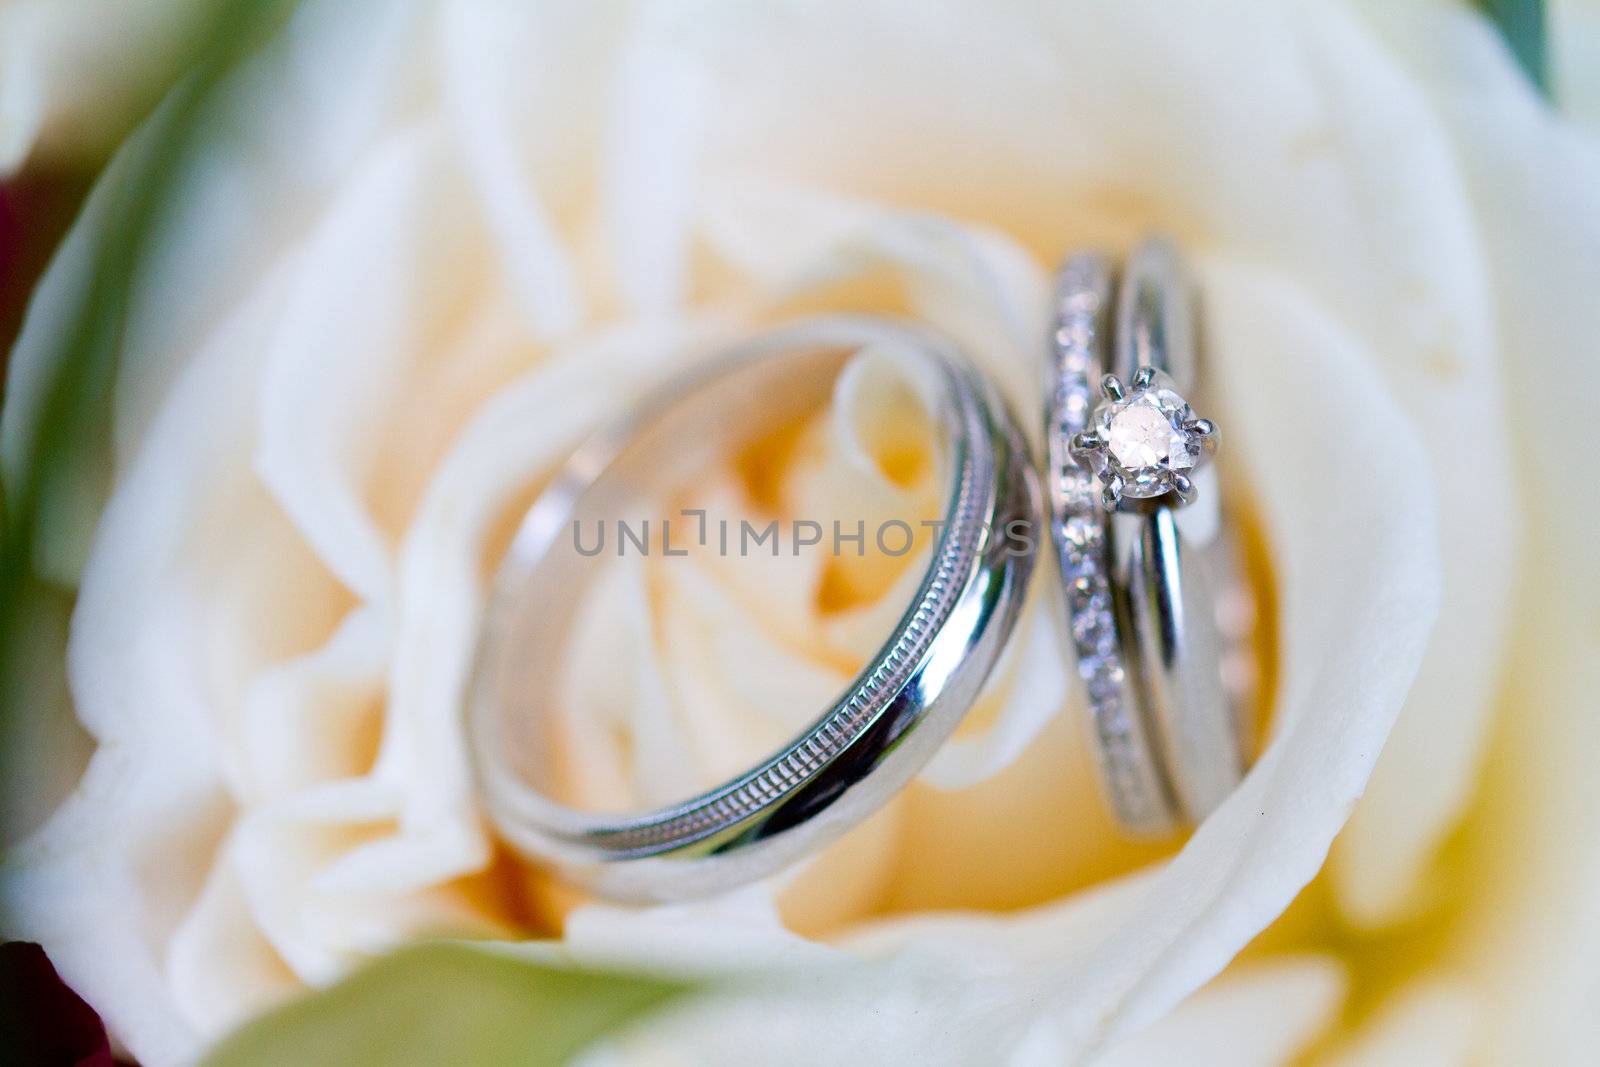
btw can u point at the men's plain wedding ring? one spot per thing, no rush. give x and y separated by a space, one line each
879 732
1137 522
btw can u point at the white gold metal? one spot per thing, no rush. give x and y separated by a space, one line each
1139 570
863 748
1169 565
1079 349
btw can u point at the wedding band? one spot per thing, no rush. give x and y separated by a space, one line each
889 720
1171 563
1137 524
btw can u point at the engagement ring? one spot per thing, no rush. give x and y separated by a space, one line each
1140 575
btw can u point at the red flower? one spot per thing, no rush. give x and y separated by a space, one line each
43 1023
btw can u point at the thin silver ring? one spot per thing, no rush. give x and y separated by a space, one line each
880 731
1139 580
1126 753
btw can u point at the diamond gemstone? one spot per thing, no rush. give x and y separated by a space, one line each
1140 435
1145 435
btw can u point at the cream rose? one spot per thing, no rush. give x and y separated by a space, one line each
424 247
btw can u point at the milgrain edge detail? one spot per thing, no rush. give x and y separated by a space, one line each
855 714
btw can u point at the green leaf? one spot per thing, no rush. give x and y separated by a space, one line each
442 1004
53 496
64 445
1522 24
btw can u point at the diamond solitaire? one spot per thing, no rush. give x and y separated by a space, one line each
1142 441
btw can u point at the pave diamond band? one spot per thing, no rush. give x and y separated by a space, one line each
1137 570
880 731
1079 350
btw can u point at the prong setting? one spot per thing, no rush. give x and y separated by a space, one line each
1111 388
1183 487
1084 445
1205 431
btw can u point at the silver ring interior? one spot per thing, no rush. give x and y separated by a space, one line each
863 748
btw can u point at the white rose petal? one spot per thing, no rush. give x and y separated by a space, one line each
1574 28
1259 1016
1430 1026
1532 934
